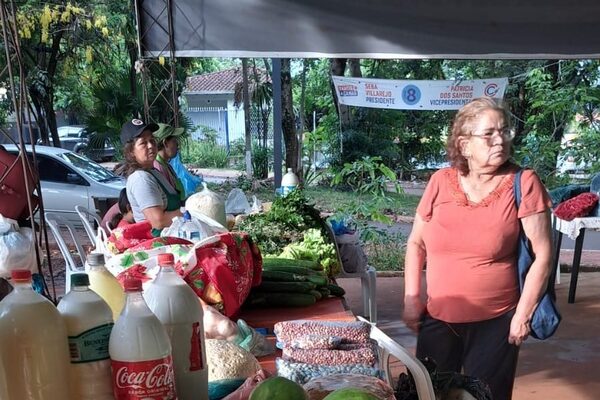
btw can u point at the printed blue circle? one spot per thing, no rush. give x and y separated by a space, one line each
411 95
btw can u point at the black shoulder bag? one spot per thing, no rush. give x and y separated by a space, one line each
546 318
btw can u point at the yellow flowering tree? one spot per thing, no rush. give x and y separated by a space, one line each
53 37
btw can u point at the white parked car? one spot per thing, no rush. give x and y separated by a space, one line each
68 180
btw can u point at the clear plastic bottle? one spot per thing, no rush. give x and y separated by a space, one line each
190 229
179 309
34 352
289 182
105 284
140 351
89 323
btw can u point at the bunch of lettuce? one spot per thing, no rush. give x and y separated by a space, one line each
314 247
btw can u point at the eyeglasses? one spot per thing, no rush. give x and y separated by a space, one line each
506 134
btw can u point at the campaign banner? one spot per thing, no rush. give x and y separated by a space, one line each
415 95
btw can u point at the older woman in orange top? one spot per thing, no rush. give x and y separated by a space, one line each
466 230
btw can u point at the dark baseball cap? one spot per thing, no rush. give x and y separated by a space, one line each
134 128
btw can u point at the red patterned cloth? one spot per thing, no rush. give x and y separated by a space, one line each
576 207
123 238
226 270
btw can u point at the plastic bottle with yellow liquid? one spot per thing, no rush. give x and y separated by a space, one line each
105 284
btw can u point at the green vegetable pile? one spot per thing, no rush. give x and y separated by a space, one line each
285 223
314 247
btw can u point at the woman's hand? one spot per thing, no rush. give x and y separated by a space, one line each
413 311
519 330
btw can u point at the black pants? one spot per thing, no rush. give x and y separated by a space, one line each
478 349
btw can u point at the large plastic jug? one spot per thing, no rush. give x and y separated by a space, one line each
140 351
105 284
89 323
289 182
179 309
34 352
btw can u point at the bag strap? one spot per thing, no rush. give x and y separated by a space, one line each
517 187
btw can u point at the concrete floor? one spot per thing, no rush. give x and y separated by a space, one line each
565 366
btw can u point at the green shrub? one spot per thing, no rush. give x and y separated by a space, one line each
204 155
386 251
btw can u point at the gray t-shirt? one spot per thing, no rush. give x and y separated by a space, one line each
143 191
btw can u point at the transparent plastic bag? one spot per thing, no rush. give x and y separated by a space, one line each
348 332
237 203
17 250
302 373
361 355
319 388
251 340
308 342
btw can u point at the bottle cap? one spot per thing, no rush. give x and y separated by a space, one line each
20 274
187 216
80 280
133 285
95 259
166 259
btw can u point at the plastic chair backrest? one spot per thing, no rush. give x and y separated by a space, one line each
387 347
57 224
87 215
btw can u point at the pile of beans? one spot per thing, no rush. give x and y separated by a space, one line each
302 373
348 332
362 355
308 342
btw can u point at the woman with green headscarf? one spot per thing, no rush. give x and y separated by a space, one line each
167 140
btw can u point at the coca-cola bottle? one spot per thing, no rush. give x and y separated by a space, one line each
140 351
178 308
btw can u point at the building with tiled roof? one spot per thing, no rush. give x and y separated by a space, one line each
227 81
213 102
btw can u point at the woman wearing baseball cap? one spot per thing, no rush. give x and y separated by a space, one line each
150 194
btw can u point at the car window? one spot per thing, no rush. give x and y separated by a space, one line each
69 131
90 168
52 170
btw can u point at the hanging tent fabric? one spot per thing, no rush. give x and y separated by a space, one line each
464 29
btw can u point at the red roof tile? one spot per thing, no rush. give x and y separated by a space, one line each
220 81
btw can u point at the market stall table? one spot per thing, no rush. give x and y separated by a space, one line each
575 230
335 309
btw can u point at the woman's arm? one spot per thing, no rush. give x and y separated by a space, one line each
160 218
413 265
537 229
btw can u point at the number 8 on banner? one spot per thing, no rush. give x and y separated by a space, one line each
411 95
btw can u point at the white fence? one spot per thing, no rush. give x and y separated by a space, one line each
227 122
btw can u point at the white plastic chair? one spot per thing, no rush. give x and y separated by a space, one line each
87 216
387 348
57 224
368 282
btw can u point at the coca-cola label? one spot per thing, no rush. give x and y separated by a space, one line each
195 348
144 380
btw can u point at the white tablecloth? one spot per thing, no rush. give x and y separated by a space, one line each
571 228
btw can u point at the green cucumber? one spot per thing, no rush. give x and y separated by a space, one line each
289 269
336 290
324 291
317 280
317 294
288 262
281 276
291 287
